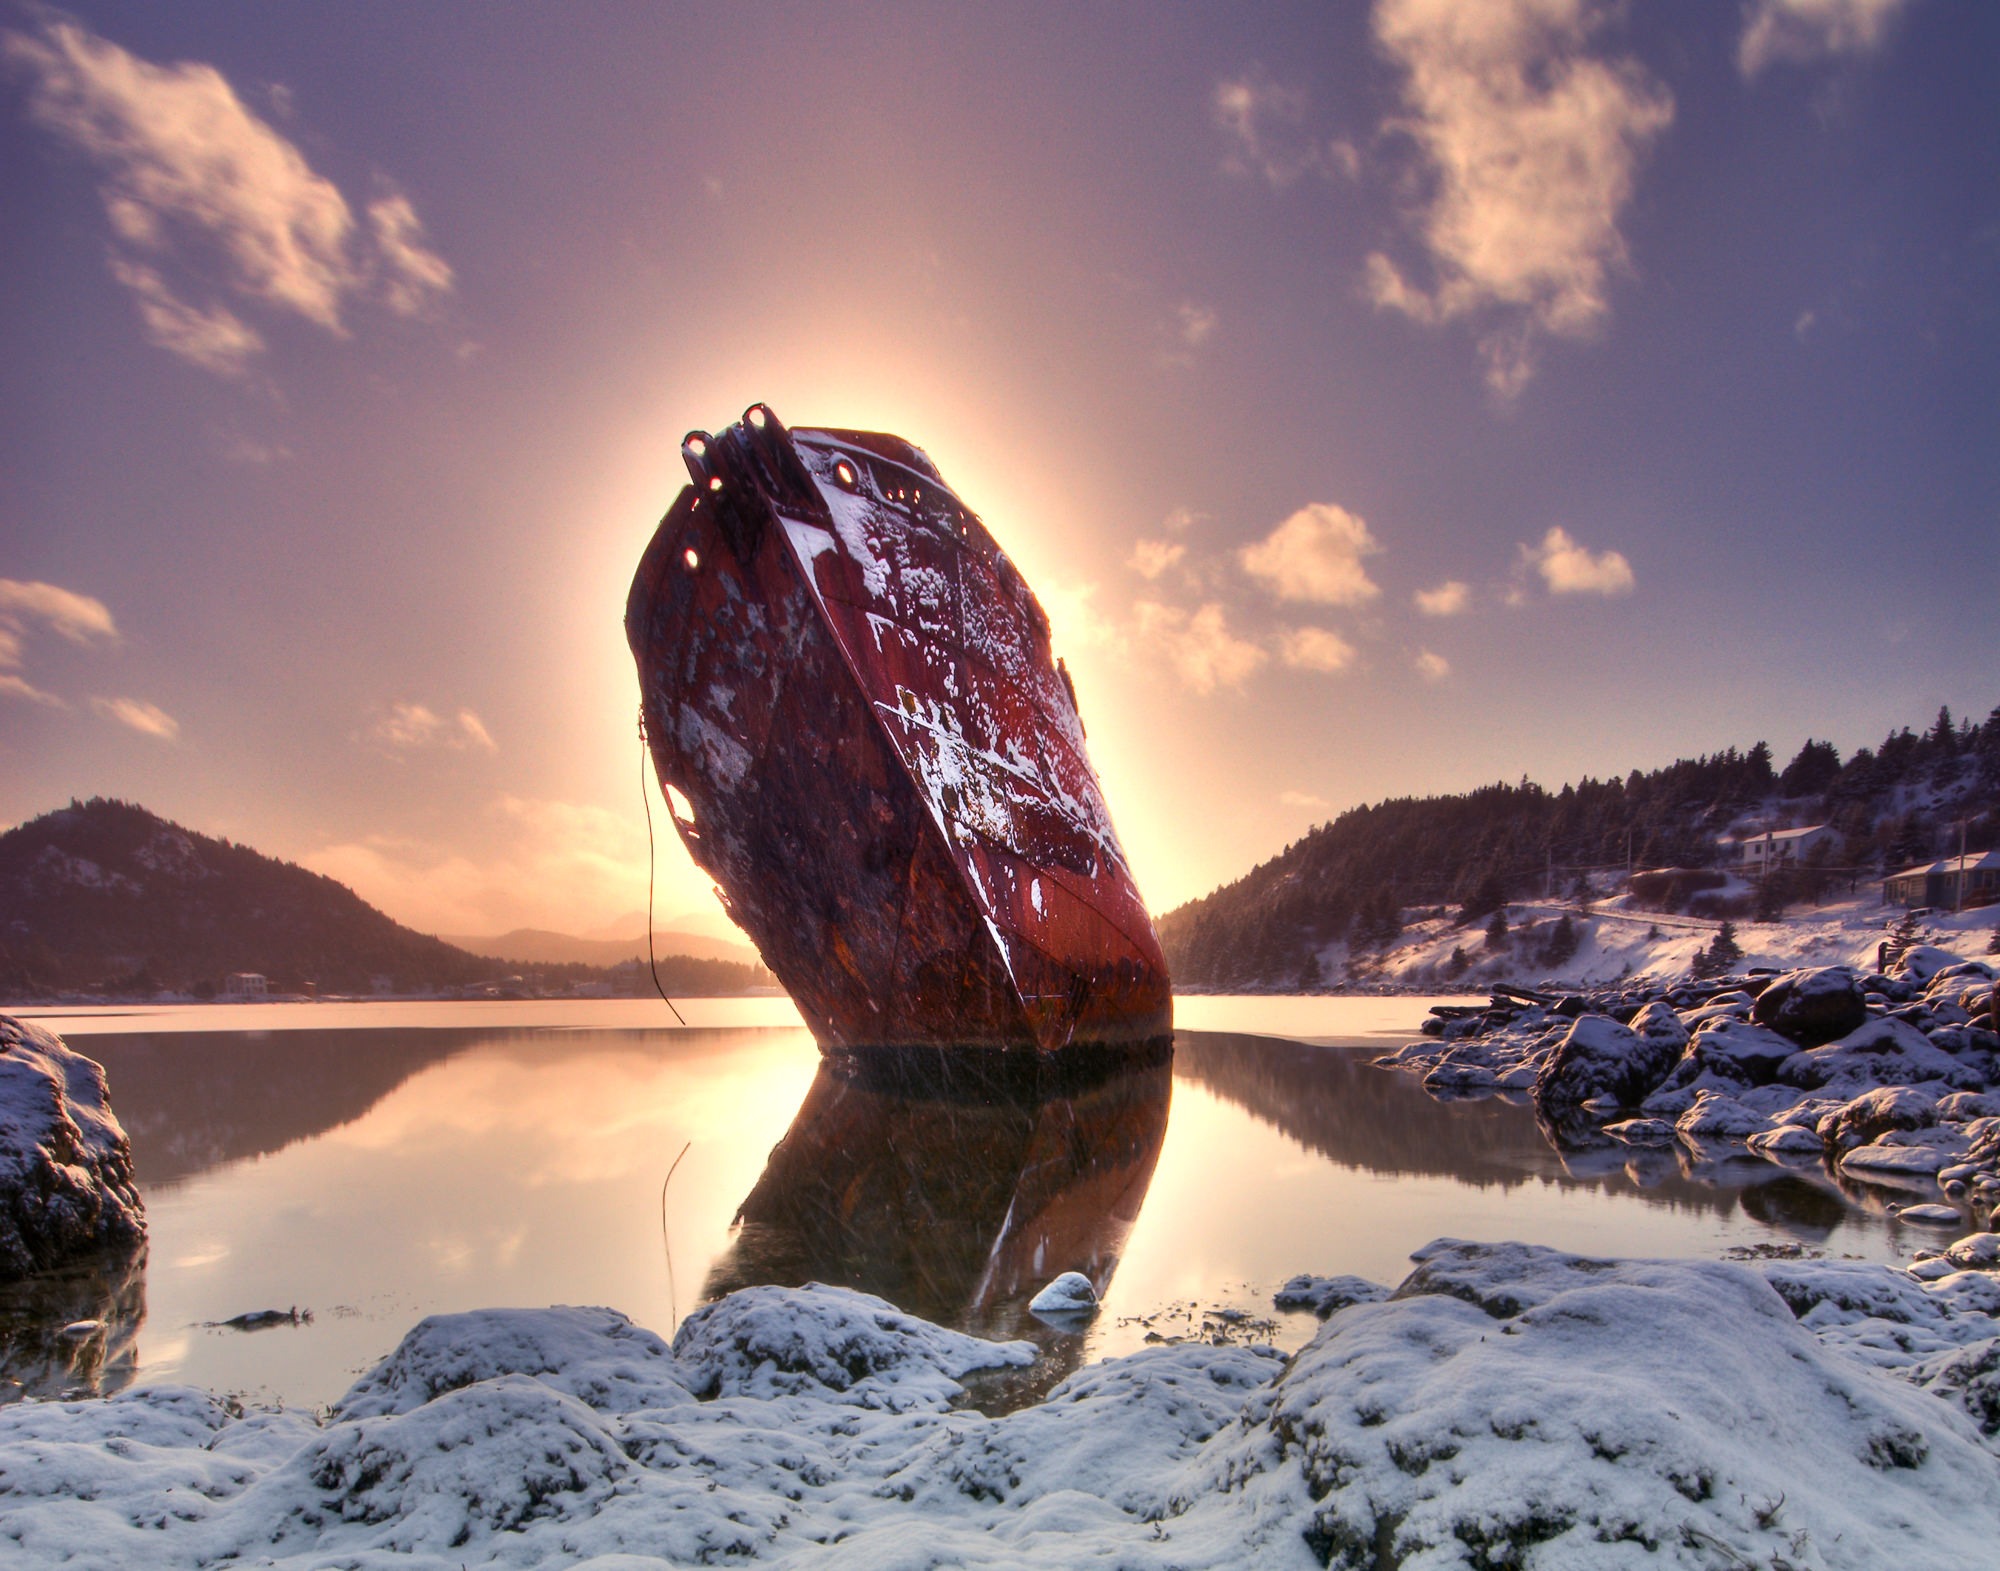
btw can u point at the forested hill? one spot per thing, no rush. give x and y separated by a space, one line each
1353 879
106 894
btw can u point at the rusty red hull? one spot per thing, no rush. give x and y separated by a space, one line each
878 761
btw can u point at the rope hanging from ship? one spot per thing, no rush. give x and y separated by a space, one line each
646 800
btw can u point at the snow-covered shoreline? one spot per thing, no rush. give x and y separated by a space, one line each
1505 1405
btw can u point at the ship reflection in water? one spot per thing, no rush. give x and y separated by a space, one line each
955 1187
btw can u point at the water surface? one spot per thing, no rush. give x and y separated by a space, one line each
372 1164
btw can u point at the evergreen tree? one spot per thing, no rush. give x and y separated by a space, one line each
1724 952
1496 930
1562 942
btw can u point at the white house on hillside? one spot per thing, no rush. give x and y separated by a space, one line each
1759 852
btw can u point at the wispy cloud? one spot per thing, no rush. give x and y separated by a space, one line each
1448 599
216 339
1798 32
1188 327
1316 555
20 687
1198 645
418 725
1302 799
148 719
1531 144
1569 569
1314 649
1151 558
1431 667
413 275
191 176
1264 126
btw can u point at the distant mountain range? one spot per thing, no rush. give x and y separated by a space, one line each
536 946
103 896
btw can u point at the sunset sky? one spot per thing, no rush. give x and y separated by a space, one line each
1383 399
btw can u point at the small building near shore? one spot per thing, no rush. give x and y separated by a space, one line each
1759 853
1949 882
245 984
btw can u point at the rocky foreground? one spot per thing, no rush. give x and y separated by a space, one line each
1889 1078
1505 1406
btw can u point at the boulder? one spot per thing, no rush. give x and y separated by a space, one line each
1885 1051
1715 1116
1599 1057
1787 1140
1870 1116
1921 962
1813 1006
66 1188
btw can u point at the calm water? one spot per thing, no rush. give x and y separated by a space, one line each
375 1163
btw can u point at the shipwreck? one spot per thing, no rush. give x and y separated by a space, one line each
851 702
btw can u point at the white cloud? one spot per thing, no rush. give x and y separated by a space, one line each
79 618
1432 667
1181 520
539 863
1531 144
1569 569
1302 799
418 725
1314 649
190 173
1200 647
1448 599
1151 558
149 719
20 687
1797 32
1316 555
25 604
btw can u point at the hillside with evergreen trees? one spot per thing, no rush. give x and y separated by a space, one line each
1355 879
103 897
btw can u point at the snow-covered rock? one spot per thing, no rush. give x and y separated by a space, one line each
1921 962
1813 1006
66 1186
1715 1116
1876 1113
1641 1131
1068 1294
1885 1051
1598 1057
1517 1406
1508 1405
1787 1140
832 1343
1324 1295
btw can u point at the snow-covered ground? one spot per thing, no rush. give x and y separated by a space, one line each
1618 939
1508 1405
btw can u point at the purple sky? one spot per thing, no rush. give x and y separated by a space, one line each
1384 399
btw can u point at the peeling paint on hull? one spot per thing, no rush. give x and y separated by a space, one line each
881 766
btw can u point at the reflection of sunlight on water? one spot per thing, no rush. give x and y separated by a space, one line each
573 1128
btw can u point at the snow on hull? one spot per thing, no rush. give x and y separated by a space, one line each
1507 1405
853 690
